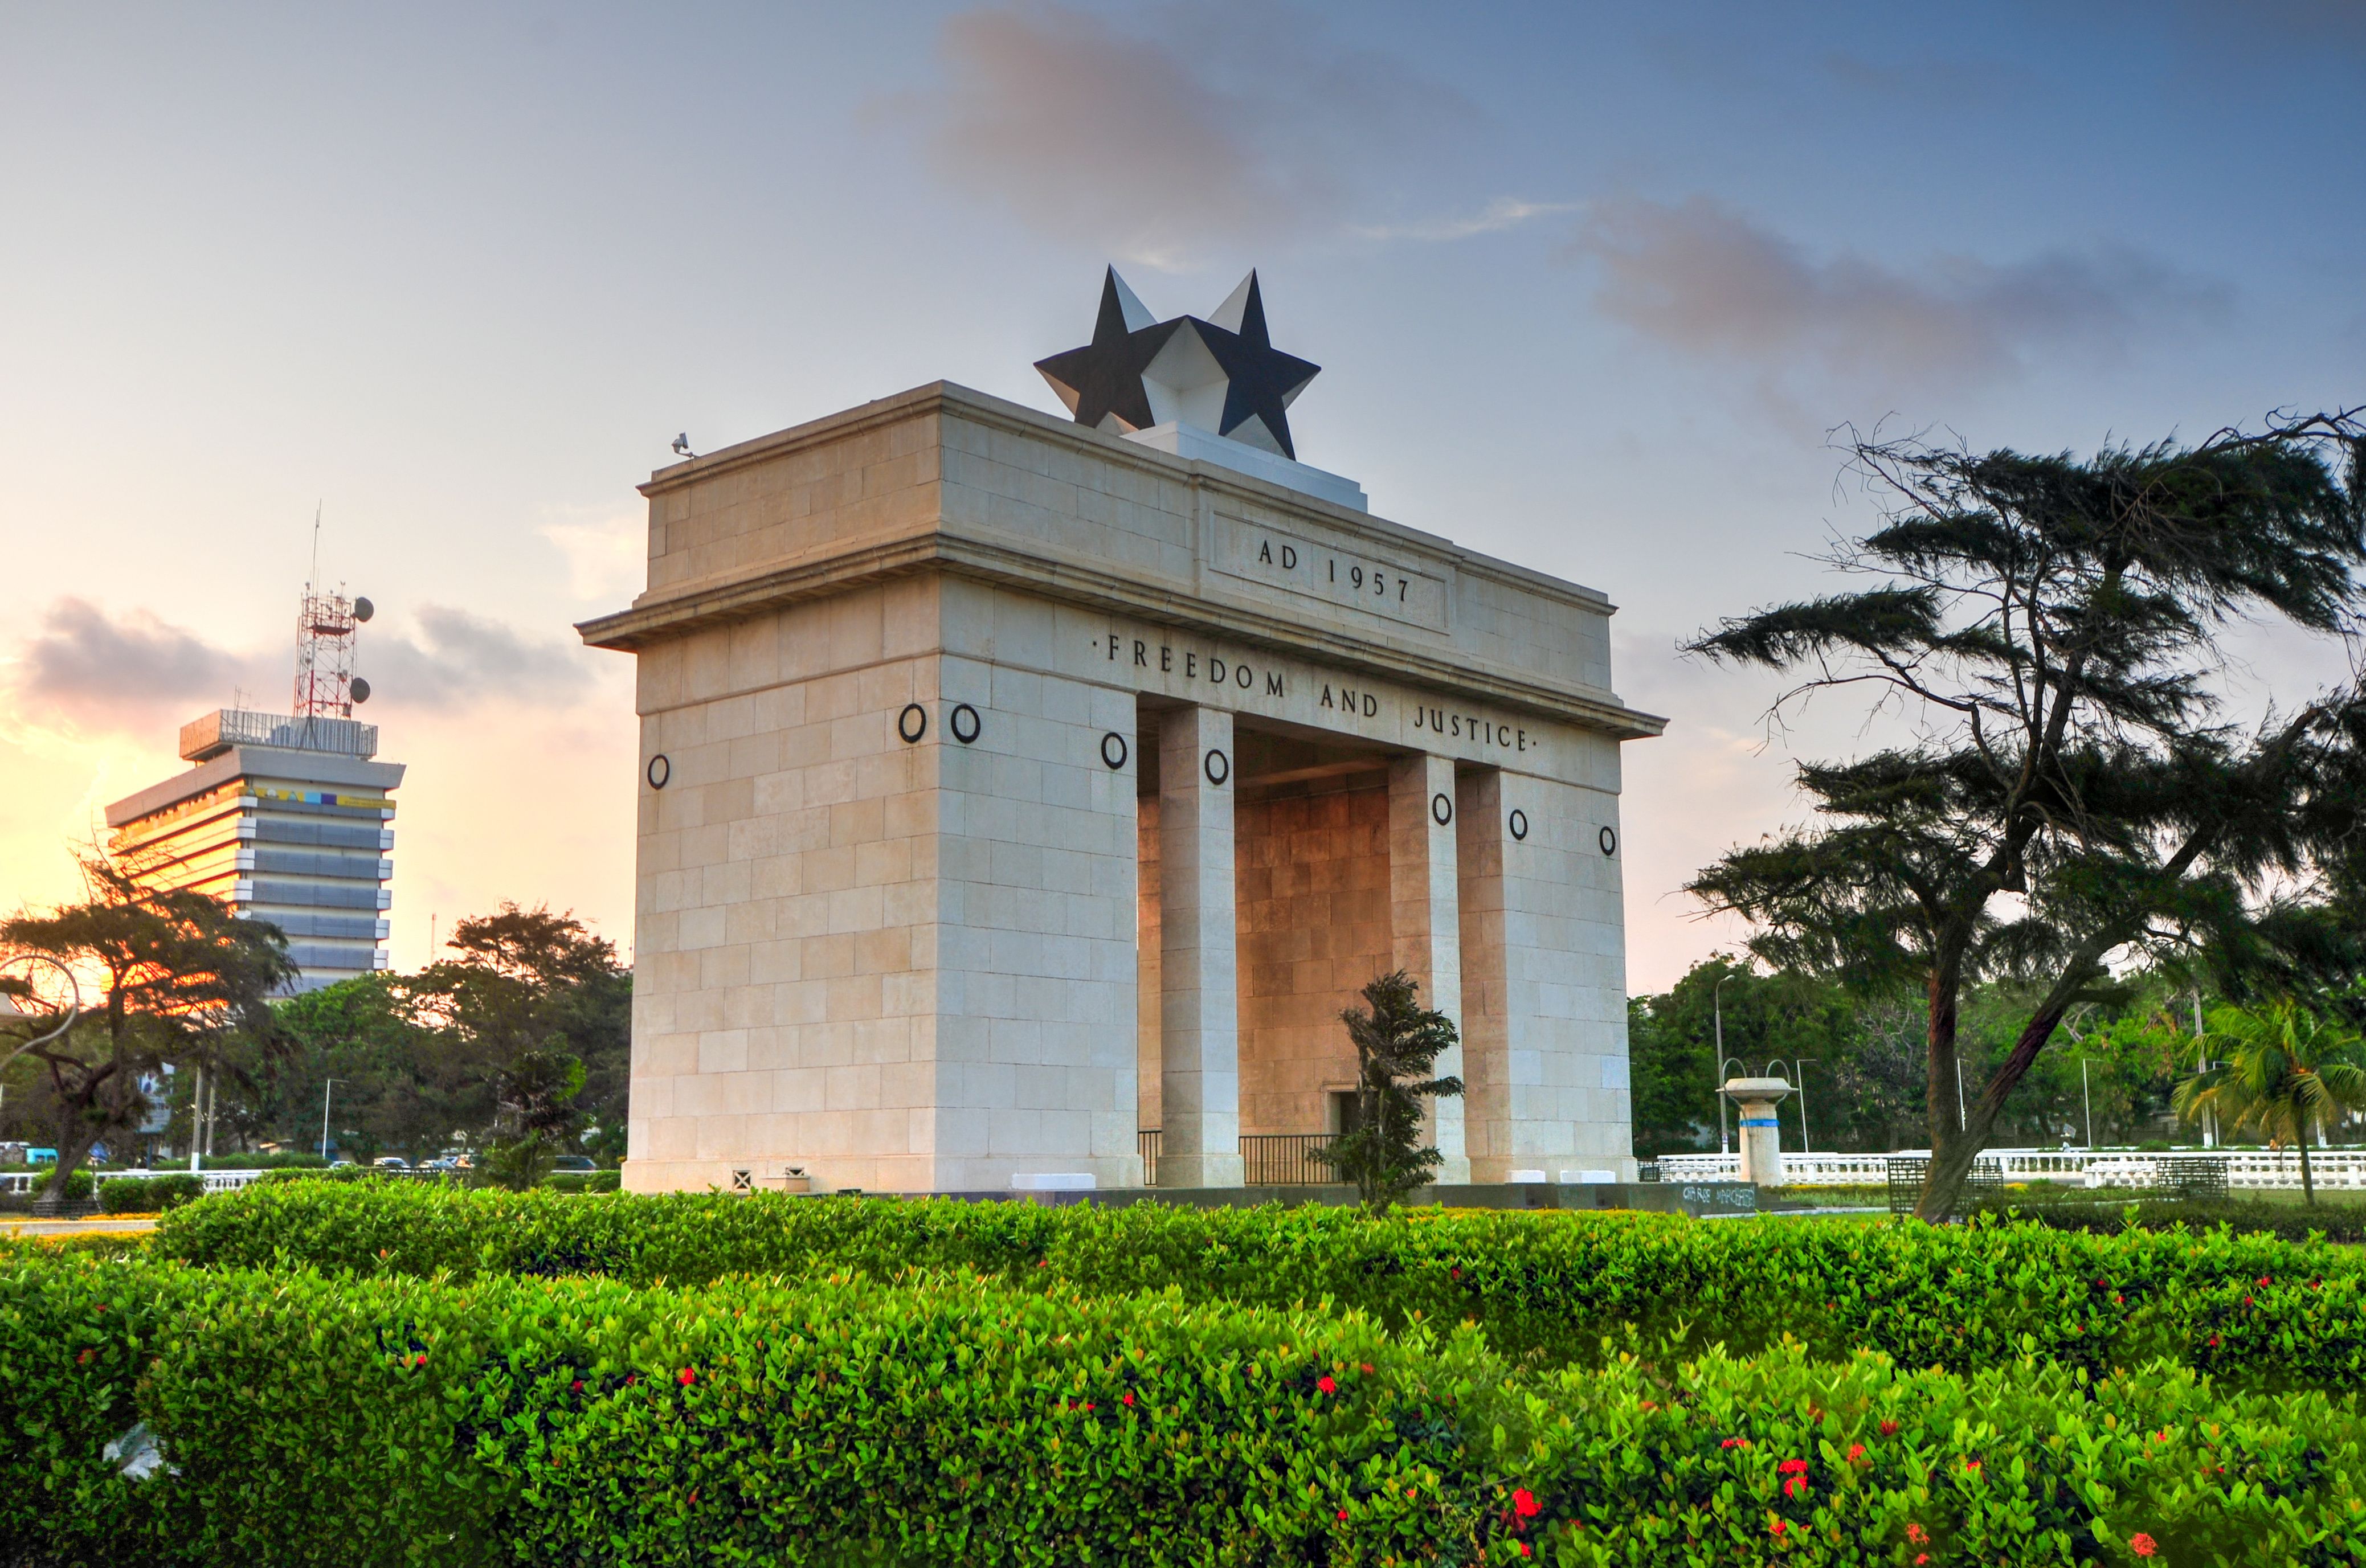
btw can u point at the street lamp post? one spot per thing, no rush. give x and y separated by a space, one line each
325 1087
1716 1009
2087 1097
1799 1072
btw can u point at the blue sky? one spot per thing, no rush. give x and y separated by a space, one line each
1590 285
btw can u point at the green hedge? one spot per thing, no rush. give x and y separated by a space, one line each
2338 1221
149 1194
309 1418
1543 1285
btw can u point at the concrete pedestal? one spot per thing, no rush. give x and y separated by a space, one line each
1762 1130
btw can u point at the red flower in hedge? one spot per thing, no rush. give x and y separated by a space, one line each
1917 1534
1127 1401
1796 1487
2214 1341
1889 1428
83 1359
1342 1513
579 1385
2264 1280
1792 1467
1778 1527
1325 1383
1524 1503
1921 1557
688 1377
1856 1451
2142 1545
419 1359
1524 1548
1364 1367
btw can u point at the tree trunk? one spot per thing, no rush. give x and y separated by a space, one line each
72 1153
1947 1169
2308 1183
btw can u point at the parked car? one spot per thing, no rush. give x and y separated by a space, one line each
575 1162
442 1162
391 1162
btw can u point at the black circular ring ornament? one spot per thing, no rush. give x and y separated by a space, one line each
1113 750
912 723
1519 823
660 771
965 732
1609 841
1441 809
1216 766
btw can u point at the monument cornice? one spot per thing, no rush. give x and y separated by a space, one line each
990 556
941 399
1076 583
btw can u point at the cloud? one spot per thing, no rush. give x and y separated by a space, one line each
96 671
462 659
1703 278
1504 212
1242 123
607 555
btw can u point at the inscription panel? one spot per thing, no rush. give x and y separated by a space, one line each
1355 579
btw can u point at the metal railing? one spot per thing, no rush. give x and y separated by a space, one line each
1285 1159
1268 1160
2340 1170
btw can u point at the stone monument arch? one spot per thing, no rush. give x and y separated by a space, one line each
1012 786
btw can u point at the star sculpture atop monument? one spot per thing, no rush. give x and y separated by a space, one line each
1218 372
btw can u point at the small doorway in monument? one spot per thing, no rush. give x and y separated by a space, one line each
1312 917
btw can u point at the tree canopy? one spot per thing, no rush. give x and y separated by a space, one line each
179 980
2049 628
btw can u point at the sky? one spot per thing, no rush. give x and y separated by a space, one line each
1593 288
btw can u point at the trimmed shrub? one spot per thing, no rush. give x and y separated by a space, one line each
401 1420
78 1185
2337 1221
1543 1286
150 1194
583 1180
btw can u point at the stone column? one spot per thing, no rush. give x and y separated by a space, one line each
1486 1018
1199 1026
1424 923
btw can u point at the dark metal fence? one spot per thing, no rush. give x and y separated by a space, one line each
2193 1178
1907 1175
1285 1159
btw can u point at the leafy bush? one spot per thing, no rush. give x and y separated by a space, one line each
150 1194
583 1180
78 1185
404 1420
2335 1221
1543 1286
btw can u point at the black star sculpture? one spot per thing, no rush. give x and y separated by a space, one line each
1136 370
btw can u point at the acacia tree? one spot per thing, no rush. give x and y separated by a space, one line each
1397 1042
183 979
2050 628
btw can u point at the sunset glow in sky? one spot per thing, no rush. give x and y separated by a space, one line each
1590 286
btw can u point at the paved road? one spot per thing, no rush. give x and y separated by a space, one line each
13 1224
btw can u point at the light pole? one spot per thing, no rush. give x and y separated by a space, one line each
1799 1072
1716 1010
2087 1098
2201 1065
325 1087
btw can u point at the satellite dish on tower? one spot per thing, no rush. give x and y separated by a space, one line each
364 610
360 689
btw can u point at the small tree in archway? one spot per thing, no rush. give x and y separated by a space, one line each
1398 1042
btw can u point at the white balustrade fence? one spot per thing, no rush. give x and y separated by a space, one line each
20 1183
2334 1169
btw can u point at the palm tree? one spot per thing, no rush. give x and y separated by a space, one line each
2288 1071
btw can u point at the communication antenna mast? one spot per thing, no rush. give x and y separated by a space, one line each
326 687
